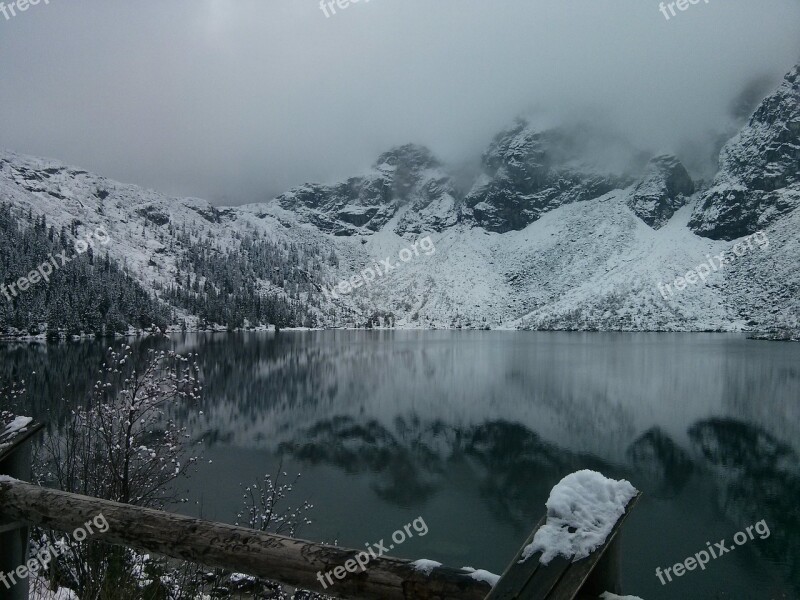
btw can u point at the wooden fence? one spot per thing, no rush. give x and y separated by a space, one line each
286 560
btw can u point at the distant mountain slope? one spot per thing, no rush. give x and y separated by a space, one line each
546 237
407 181
759 177
529 172
66 291
184 252
665 187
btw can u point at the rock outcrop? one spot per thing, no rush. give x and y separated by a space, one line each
530 172
665 187
407 182
759 177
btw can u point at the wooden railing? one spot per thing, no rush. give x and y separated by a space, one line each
15 461
286 560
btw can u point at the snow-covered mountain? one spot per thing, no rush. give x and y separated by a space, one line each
548 236
759 178
407 184
528 172
665 187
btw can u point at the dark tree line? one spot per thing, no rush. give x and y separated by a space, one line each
91 294
254 282
259 281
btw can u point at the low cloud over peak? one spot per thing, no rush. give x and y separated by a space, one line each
237 101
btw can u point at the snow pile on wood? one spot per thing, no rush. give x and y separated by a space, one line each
425 566
482 575
10 427
581 512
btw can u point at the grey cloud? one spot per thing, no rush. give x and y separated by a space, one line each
237 100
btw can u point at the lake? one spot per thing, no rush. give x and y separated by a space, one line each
470 430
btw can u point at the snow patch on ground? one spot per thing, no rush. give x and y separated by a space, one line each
10 427
482 575
581 512
425 566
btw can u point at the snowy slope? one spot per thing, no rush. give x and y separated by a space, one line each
759 177
143 225
586 265
545 239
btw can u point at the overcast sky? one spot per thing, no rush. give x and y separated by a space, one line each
238 100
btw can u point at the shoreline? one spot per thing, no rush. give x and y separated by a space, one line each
756 335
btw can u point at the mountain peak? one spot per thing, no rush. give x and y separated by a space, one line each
409 157
664 188
530 171
759 176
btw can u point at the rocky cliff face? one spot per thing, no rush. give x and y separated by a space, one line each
759 177
526 173
665 187
530 172
407 182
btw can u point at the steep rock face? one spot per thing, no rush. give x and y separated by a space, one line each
664 188
530 172
759 177
407 180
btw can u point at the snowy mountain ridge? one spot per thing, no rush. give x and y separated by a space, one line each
544 238
759 178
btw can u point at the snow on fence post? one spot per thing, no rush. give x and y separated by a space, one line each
573 552
15 461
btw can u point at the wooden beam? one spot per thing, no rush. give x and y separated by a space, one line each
598 572
282 559
6 526
9 447
517 573
562 579
15 461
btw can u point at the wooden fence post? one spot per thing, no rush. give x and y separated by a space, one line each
15 461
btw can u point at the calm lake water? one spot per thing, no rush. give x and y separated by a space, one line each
470 430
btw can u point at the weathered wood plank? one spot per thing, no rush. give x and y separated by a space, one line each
287 560
584 572
546 578
15 461
6 526
560 579
7 449
517 574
